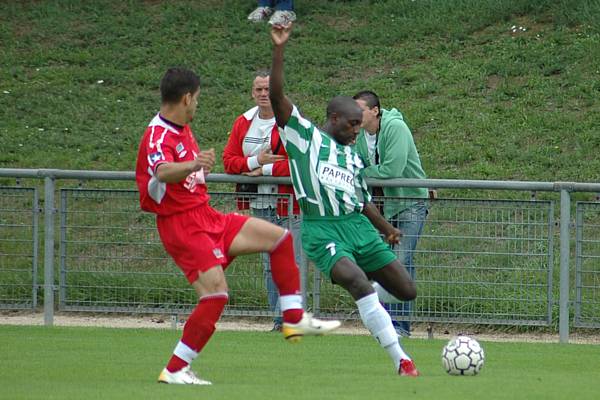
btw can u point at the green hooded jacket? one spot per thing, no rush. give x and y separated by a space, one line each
398 158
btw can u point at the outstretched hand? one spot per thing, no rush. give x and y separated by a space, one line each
280 34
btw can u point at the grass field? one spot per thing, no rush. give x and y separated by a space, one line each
102 363
79 79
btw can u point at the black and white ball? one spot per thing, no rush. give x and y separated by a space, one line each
463 356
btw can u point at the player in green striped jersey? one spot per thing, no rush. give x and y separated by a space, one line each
339 221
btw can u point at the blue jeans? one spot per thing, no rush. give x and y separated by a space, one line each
410 222
281 5
270 214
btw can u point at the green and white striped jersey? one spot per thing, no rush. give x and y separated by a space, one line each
327 176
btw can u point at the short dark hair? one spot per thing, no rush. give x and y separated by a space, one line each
370 98
176 83
262 73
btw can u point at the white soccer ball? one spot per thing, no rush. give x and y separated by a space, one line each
463 356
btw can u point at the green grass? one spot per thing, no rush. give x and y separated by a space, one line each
482 101
101 363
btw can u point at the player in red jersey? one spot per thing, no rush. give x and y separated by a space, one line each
170 175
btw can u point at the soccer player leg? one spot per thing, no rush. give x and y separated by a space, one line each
396 280
269 214
256 236
348 275
211 289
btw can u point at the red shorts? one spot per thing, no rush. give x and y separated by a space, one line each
199 239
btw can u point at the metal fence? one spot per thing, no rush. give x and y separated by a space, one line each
478 261
19 213
111 258
587 267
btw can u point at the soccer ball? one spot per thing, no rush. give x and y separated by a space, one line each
463 356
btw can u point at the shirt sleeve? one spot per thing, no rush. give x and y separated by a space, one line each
362 190
267 169
297 134
160 148
360 184
234 160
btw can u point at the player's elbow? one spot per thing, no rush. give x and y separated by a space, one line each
165 173
163 176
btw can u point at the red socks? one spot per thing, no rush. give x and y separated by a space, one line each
287 278
197 330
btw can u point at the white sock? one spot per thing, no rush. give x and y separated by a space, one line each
184 352
290 302
379 323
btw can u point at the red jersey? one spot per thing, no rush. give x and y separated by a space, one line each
164 142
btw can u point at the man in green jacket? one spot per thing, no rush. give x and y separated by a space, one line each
388 150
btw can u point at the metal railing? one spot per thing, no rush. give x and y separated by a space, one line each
472 253
19 244
587 267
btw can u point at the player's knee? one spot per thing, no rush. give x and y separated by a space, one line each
359 288
409 292
219 286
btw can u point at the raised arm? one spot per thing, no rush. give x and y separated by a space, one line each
282 107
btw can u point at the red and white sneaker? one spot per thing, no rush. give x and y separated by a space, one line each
407 368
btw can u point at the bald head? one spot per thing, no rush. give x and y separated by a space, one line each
344 118
343 106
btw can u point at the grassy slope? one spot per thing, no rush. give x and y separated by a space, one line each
483 102
93 363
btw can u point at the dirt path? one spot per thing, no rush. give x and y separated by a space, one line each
264 325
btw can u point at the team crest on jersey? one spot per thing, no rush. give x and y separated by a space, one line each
154 157
336 177
179 147
218 253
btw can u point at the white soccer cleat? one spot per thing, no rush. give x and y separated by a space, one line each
308 325
184 376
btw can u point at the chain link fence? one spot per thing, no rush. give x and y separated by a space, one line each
112 260
19 246
477 261
587 265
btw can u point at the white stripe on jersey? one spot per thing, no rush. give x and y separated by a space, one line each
335 205
151 141
303 121
292 136
350 165
315 145
300 192
159 147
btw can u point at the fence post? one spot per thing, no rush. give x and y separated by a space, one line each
578 262
565 220
49 251
36 247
